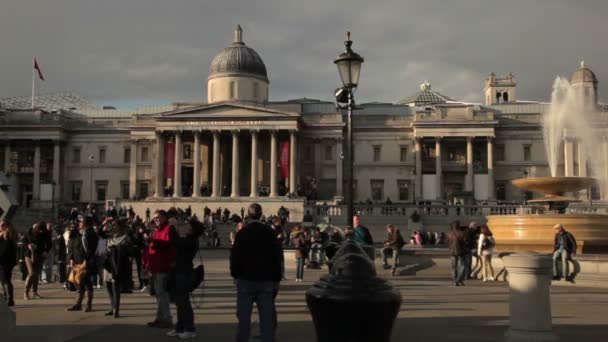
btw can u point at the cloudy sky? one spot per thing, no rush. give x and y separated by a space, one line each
131 52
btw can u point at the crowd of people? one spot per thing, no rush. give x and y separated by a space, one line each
91 249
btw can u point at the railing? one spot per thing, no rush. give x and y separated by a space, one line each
407 210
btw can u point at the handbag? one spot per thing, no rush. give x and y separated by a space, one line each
79 271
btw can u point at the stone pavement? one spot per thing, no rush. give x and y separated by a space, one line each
432 310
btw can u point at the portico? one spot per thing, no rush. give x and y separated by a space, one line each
232 149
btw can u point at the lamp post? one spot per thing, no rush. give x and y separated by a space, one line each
91 160
349 67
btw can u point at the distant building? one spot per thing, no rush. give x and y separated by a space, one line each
240 144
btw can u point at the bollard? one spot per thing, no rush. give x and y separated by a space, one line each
352 304
8 323
529 297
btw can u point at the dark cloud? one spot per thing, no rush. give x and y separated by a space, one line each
137 51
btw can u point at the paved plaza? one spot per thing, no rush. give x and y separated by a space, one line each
432 310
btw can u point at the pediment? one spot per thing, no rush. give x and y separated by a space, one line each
226 111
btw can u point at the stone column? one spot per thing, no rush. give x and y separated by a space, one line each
582 160
491 187
273 164
36 183
133 170
254 164
529 297
235 165
196 178
292 161
468 184
160 163
438 168
418 150
317 145
7 156
339 168
215 186
568 157
177 184
56 169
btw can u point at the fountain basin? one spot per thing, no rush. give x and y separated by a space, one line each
555 186
535 231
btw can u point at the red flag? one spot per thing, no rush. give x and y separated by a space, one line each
284 159
38 69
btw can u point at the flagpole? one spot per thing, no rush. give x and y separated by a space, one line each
33 84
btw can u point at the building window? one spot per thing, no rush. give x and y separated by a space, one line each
143 189
377 151
76 155
501 190
329 153
377 187
499 152
527 152
256 90
101 189
145 154
124 189
403 187
403 154
126 157
505 97
232 89
75 188
102 155
187 155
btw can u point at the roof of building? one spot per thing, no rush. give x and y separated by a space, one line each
426 96
238 59
50 102
583 74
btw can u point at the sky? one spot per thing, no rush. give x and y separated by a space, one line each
128 53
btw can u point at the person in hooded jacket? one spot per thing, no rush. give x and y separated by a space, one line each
8 260
117 262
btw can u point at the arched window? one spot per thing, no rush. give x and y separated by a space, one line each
497 97
505 96
232 89
255 90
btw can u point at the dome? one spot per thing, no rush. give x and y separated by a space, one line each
238 59
583 75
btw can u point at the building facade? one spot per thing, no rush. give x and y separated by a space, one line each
240 144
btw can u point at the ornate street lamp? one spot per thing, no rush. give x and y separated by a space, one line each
349 67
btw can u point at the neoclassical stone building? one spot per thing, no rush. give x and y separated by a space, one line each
240 146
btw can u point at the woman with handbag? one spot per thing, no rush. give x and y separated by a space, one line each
37 245
116 266
8 259
82 258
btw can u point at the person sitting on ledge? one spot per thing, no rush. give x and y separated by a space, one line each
564 248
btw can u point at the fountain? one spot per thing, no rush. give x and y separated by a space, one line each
568 117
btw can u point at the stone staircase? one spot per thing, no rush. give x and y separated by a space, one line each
25 218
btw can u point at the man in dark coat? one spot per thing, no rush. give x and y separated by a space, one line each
457 244
564 248
82 251
255 263
392 246
362 234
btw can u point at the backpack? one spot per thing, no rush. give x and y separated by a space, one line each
488 242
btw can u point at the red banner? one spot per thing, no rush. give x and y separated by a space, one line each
169 160
284 158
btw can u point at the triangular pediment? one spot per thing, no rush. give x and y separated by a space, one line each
226 111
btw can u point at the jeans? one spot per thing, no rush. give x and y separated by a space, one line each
185 315
388 250
114 290
34 268
563 255
6 274
300 268
163 311
468 265
458 268
47 267
260 292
